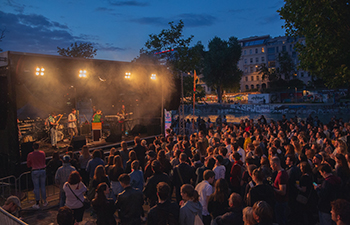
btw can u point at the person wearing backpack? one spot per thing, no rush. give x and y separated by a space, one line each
191 208
236 173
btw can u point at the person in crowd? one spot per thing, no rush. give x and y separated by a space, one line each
99 177
190 205
294 175
150 189
327 192
218 201
37 162
124 152
140 151
281 192
74 190
103 206
219 169
151 156
236 173
261 191
132 157
52 166
61 177
234 214
84 158
164 162
340 212
129 203
65 216
114 172
12 205
248 217
263 213
182 174
209 164
204 190
136 176
165 212
110 161
94 162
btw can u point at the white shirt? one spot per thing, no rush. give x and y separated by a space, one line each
204 190
241 152
71 116
219 172
71 201
229 149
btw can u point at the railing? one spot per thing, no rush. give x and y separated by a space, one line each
9 219
8 186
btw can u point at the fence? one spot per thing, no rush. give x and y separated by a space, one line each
9 219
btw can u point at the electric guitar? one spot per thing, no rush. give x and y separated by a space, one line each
57 123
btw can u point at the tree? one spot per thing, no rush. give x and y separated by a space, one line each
325 27
2 35
188 89
171 48
278 77
81 50
220 65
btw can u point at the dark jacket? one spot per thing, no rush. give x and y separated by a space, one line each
235 215
129 203
328 192
150 189
140 153
186 173
105 212
166 213
261 192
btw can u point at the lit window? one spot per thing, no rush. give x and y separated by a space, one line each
262 50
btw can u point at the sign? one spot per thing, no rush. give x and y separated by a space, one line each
259 99
167 120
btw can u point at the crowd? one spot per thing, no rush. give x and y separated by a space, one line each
254 172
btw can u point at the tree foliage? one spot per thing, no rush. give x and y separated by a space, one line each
325 27
285 70
171 48
188 89
81 50
220 64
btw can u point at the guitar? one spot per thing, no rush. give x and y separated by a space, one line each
57 123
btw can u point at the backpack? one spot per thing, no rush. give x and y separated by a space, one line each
197 220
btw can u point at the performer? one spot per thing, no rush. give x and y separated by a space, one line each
96 118
53 128
72 124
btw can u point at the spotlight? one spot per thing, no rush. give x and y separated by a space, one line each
127 75
82 73
40 71
153 77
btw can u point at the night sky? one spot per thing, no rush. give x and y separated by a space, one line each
119 29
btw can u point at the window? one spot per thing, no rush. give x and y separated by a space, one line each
246 78
245 61
251 69
290 47
247 87
256 68
245 52
246 70
257 86
271 50
251 60
263 59
252 86
250 51
257 77
252 78
262 50
256 51
284 48
302 74
257 59
277 49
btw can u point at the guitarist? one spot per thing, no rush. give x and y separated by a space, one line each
72 124
53 123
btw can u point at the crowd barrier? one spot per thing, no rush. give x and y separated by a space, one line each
9 219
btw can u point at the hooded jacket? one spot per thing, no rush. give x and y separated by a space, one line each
189 211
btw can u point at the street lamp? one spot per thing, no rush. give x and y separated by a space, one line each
82 73
154 77
127 75
40 71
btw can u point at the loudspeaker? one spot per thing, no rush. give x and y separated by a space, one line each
26 148
138 129
78 142
114 138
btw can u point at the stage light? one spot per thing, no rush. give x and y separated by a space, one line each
153 76
82 73
127 75
40 71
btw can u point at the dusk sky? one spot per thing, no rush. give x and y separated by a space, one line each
119 29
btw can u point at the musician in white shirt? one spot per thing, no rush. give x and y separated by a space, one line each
72 124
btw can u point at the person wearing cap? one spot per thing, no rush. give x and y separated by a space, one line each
36 160
219 169
12 205
151 156
62 175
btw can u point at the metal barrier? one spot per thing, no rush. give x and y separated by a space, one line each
8 186
9 219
